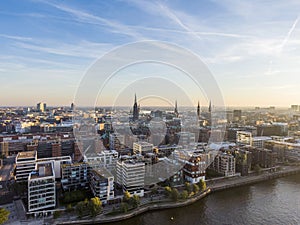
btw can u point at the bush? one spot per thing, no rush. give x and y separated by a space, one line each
95 206
175 194
202 185
188 187
184 194
3 215
196 188
124 207
56 214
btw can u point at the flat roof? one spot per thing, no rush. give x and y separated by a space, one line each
42 170
29 154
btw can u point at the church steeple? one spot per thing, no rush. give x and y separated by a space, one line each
135 109
209 107
198 110
176 109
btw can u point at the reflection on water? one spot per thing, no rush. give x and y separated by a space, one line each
270 202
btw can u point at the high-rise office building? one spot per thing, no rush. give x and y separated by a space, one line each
41 106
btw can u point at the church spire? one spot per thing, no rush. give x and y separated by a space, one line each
198 110
176 109
209 107
135 109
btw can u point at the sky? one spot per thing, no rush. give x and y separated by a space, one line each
252 48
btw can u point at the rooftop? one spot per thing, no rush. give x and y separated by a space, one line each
42 170
24 155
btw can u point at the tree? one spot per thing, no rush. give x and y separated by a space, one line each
56 214
134 201
80 208
175 194
202 185
184 194
124 207
95 206
188 187
168 191
257 169
3 215
69 208
196 188
126 196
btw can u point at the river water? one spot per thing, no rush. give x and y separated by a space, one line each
270 202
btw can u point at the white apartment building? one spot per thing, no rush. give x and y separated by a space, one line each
41 187
25 164
131 175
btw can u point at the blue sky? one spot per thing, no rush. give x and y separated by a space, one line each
251 47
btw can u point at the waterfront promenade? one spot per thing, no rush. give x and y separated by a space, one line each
214 185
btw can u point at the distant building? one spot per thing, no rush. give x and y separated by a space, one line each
295 108
244 138
237 115
142 148
258 142
41 107
187 140
131 176
116 141
274 129
41 188
25 164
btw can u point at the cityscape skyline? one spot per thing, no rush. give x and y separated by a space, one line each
250 48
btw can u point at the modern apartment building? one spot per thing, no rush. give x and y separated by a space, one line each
74 176
102 184
25 164
41 188
224 164
131 176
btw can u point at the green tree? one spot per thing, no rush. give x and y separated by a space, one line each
3 215
80 208
202 185
196 188
69 208
135 201
56 214
175 194
188 187
124 207
184 194
168 191
257 169
95 206
126 196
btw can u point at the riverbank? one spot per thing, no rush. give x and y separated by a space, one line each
213 187
240 181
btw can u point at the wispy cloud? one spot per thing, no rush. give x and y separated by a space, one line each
19 38
288 35
85 17
83 49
